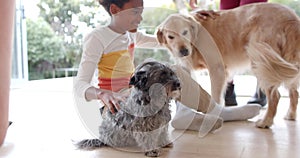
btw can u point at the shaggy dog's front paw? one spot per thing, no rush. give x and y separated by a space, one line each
264 123
170 145
153 153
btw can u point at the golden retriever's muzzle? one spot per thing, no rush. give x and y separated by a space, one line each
183 52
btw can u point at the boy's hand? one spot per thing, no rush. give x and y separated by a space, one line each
204 14
111 99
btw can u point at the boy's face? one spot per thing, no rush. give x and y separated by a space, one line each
130 15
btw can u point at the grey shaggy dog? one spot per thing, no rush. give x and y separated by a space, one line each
143 120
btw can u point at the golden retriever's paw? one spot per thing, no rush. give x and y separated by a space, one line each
291 115
264 123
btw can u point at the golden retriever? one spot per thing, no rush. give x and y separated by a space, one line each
263 36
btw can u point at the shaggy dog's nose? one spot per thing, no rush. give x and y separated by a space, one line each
176 85
184 51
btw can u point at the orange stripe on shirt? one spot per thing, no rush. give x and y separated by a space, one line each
113 84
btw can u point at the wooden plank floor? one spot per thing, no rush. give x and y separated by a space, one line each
46 121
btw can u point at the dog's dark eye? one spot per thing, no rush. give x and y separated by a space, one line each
164 73
184 32
170 37
163 76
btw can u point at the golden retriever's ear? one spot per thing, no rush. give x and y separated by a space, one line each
160 36
194 26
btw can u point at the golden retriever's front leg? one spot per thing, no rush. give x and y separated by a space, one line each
292 112
273 99
214 62
218 78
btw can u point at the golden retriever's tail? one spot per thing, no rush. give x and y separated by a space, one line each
269 67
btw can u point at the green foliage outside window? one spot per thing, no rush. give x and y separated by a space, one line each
55 40
45 49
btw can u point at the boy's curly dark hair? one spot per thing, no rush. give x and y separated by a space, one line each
106 3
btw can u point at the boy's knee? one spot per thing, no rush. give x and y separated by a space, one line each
192 94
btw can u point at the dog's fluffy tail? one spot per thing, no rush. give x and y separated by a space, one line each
89 144
270 68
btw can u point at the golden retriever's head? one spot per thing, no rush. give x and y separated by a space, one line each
177 33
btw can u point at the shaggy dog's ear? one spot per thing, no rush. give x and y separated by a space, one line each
138 80
133 80
160 36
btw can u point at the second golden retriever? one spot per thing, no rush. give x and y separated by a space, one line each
264 37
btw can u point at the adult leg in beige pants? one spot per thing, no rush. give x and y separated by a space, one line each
194 97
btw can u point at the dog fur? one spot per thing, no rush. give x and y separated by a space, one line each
263 36
143 119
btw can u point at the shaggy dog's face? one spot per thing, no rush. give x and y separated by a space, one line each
176 33
153 73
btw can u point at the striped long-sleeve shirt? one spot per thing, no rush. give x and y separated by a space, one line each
112 55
